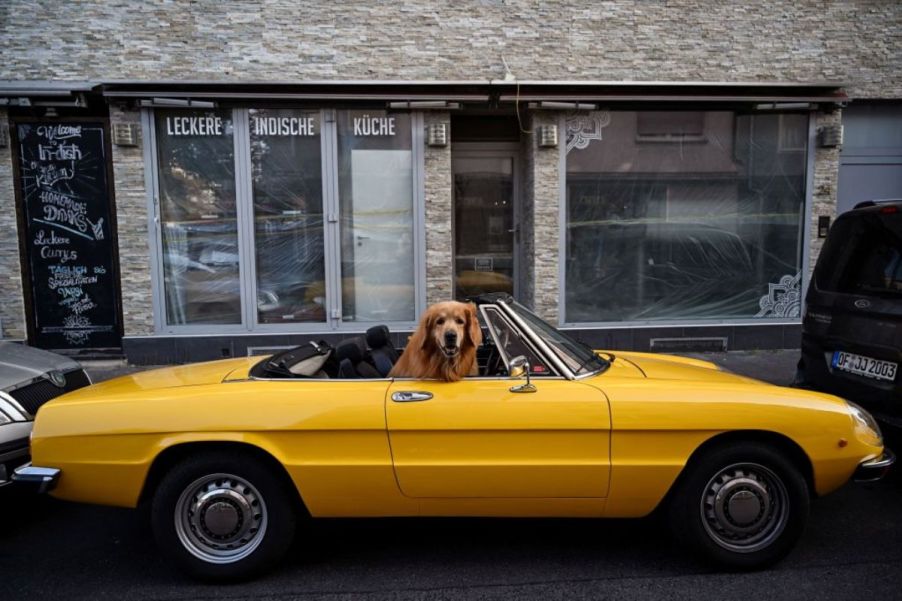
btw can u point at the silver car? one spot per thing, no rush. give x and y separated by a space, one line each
29 377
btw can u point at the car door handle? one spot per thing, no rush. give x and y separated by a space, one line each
410 396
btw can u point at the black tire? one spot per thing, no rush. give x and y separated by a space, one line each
224 516
741 507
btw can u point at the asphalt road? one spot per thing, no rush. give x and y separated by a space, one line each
852 549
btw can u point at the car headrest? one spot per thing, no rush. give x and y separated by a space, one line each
377 337
352 348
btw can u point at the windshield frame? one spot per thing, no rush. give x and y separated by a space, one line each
575 359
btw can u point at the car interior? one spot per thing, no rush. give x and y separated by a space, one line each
373 355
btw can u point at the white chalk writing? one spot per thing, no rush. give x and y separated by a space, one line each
59 132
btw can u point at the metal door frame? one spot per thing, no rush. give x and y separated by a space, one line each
490 150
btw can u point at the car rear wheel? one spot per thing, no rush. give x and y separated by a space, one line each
223 516
741 507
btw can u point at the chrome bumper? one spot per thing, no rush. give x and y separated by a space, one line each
874 469
44 478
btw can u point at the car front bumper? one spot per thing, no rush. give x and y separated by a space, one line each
874 469
43 478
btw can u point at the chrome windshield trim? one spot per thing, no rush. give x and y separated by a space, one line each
483 309
537 340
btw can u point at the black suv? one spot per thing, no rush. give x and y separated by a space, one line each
852 327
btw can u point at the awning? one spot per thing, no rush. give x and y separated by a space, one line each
608 92
434 94
45 93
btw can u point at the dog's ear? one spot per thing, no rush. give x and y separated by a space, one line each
420 337
474 332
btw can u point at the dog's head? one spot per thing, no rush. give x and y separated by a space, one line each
451 326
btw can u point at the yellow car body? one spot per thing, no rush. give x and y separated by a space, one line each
610 445
612 442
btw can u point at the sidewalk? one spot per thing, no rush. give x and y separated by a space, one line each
775 366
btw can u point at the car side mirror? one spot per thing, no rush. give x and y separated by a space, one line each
518 368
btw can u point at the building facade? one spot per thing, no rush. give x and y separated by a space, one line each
188 181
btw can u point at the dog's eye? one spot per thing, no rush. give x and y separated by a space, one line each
459 321
440 321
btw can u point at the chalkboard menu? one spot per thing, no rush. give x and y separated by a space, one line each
68 236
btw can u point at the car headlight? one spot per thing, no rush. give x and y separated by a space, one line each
866 426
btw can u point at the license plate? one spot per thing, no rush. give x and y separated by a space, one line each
865 366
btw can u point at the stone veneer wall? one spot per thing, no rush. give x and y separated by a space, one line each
540 221
439 216
12 305
853 41
824 185
131 220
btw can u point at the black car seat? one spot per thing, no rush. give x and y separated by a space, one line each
351 354
382 352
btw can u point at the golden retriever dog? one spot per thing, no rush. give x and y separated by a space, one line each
444 344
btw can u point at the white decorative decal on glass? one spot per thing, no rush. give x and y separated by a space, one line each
582 129
782 299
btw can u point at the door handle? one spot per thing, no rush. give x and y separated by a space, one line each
410 396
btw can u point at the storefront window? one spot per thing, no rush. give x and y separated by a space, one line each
198 217
286 171
375 185
684 215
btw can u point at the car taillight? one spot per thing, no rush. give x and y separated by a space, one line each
889 210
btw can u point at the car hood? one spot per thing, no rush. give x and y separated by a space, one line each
672 367
19 363
195 374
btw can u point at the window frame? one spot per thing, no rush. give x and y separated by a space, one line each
247 277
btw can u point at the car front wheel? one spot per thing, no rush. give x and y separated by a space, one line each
223 516
742 507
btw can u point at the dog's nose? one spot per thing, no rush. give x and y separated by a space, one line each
450 338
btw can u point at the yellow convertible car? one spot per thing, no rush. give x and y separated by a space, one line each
230 454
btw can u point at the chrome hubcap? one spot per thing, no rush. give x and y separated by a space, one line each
220 518
744 507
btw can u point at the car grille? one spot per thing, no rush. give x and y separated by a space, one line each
34 395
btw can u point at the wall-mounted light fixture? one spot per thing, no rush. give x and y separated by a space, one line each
547 136
437 134
178 102
830 136
425 105
562 106
125 134
785 106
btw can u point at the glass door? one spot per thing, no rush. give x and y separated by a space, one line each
486 231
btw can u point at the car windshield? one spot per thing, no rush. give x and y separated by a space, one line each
577 356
